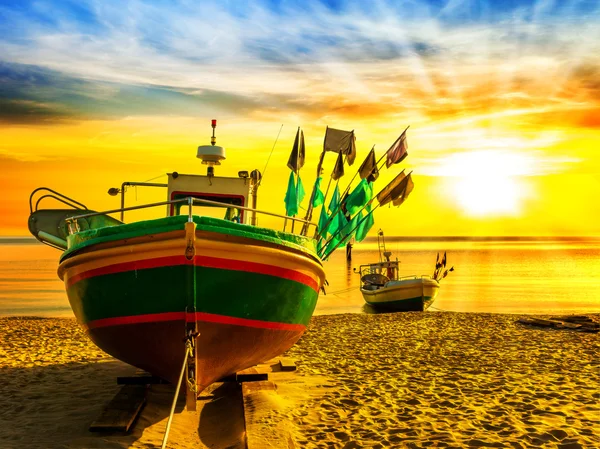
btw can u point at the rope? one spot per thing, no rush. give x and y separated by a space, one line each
188 352
270 154
156 177
345 290
439 310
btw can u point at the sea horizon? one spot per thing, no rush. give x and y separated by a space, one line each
406 238
493 274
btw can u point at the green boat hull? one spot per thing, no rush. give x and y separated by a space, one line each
249 297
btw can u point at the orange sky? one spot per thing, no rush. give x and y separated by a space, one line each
468 181
504 111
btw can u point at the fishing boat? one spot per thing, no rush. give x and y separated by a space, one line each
193 293
383 288
236 293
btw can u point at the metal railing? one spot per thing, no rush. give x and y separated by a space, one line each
191 201
54 195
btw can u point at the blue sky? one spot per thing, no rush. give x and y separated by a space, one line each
90 59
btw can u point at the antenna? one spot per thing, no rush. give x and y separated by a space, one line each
212 154
269 158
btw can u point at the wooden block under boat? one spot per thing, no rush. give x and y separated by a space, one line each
251 375
122 410
287 365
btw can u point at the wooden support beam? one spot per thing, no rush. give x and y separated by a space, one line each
251 377
146 379
257 400
121 412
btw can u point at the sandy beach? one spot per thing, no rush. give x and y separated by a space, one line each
435 379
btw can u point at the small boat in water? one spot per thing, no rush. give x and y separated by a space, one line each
383 288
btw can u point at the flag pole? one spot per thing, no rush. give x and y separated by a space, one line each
318 232
358 212
354 229
338 208
309 211
297 173
385 154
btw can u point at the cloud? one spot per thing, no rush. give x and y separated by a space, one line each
109 58
34 95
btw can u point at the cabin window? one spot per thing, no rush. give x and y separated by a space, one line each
208 210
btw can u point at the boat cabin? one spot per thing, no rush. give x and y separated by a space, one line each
376 275
229 198
239 192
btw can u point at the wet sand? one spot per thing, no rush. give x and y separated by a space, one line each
435 379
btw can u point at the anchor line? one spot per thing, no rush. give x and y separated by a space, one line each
188 352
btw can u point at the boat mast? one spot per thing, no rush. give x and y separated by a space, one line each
381 245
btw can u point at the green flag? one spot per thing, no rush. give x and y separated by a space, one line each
348 231
319 197
323 221
300 191
337 223
335 200
361 195
333 244
291 197
365 225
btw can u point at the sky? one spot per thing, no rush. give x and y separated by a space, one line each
502 99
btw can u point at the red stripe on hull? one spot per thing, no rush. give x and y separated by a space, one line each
199 317
200 261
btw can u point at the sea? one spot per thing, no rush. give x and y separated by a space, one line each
515 275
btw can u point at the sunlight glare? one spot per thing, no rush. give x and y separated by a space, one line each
488 182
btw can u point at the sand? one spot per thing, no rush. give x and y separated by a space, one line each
435 379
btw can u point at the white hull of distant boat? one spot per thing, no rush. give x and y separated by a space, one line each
414 294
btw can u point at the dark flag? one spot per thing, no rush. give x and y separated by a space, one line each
398 151
339 141
386 195
296 160
338 170
368 169
403 190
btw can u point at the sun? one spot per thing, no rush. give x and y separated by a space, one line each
491 195
486 183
